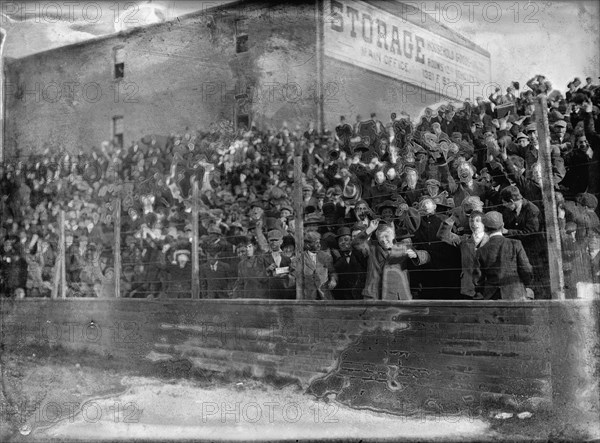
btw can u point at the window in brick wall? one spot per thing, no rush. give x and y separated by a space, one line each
243 121
119 63
241 36
117 130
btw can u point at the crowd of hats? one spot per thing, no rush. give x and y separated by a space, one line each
377 163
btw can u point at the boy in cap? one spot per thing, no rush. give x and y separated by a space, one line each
502 268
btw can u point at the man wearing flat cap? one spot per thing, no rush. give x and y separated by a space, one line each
307 196
286 218
433 191
502 268
558 132
522 220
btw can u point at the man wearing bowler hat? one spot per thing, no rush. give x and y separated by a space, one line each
502 268
350 264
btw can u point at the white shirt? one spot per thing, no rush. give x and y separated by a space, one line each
276 258
478 238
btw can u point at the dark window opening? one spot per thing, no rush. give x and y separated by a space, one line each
118 132
241 36
119 70
243 121
241 43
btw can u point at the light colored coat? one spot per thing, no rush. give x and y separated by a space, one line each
316 275
387 273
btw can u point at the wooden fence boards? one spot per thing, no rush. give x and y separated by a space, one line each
383 356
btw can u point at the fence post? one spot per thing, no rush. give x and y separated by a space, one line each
299 221
549 200
195 243
117 251
56 272
62 254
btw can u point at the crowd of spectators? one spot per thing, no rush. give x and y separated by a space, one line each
391 210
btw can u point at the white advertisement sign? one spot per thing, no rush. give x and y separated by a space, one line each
371 38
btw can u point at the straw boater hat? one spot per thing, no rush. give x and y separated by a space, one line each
351 193
179 252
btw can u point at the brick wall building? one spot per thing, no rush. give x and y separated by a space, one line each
242 62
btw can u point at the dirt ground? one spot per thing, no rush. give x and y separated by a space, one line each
61 396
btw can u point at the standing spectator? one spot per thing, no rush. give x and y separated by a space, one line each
13 270
319 274
502 268
251 276
387 269
350 267
521 219
180 275
216 278
440 277
468 245
276 266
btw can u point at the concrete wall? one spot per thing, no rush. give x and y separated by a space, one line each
392 357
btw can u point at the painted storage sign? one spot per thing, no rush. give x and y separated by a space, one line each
373 39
